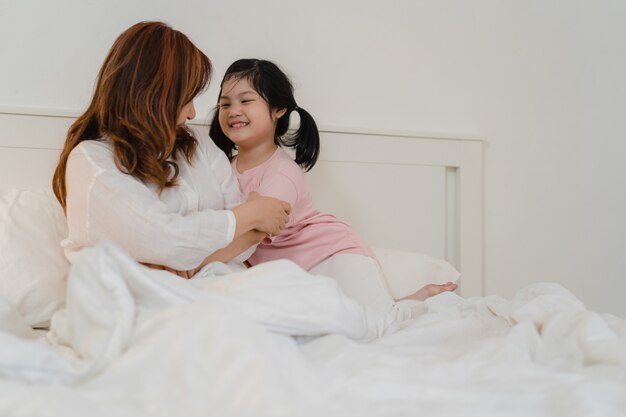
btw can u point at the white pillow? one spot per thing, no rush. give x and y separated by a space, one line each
407 272
33 269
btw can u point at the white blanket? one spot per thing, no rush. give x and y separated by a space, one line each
134 341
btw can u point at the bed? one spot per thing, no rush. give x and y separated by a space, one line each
110 337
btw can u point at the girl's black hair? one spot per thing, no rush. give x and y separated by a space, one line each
274 86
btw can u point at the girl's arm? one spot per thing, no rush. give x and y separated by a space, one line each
282 187
262 213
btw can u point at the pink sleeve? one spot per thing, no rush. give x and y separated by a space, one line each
282 187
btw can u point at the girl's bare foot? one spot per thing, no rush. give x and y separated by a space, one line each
429 290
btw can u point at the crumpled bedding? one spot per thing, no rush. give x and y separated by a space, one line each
274 340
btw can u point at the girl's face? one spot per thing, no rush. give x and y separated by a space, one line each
244 116
188 112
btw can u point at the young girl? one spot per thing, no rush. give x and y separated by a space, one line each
252 116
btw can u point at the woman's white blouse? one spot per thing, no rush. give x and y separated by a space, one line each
177 228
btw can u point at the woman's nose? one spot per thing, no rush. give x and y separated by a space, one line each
192 112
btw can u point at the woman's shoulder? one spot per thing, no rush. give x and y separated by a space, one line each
208 158
206 146
90 159
98 151
199 135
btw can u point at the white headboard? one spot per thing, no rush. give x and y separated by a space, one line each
398 190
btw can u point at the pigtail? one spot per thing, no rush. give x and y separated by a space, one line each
305 141
219 138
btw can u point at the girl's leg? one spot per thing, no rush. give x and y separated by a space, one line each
361 278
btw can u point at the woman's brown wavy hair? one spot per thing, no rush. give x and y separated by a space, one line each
150 73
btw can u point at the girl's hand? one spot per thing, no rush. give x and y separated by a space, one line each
272 214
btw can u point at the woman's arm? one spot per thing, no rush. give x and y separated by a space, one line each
236 247
105 204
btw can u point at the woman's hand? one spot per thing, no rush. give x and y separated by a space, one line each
236 247
273 213
265 214
182 274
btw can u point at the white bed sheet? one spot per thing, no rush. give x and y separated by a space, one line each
134 341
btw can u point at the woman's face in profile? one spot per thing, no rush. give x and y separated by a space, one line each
188 112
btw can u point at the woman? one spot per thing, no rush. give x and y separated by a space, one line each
133 173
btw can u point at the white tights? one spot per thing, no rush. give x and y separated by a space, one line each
361 278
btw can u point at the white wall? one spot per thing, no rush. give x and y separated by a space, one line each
541 81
